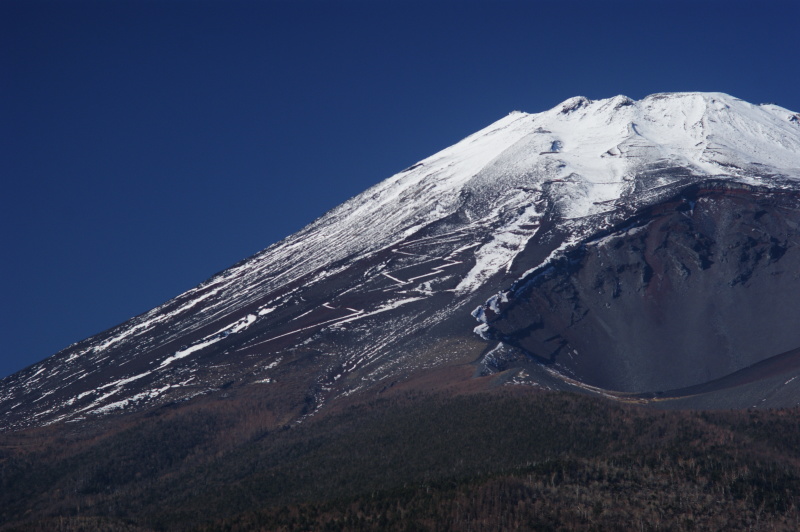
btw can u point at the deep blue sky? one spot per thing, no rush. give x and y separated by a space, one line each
146 145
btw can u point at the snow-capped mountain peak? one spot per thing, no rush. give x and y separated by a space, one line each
350 298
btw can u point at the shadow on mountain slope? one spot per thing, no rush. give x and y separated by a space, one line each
686 293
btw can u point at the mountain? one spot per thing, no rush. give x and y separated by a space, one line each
645 251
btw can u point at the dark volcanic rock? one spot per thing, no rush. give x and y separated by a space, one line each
688 291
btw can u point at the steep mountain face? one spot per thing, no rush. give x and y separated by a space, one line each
688 292
644 250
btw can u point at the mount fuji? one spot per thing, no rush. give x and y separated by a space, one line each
644 251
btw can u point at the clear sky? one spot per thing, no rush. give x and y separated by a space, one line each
146 145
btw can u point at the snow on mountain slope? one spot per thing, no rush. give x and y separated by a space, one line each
593 148
422 247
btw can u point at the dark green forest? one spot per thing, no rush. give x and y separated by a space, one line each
486 461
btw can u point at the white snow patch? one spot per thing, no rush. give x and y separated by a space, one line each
482 330
273 363
234 328
123 382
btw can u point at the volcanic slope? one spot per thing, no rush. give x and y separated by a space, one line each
643 250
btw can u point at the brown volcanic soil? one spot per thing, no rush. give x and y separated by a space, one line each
482 461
